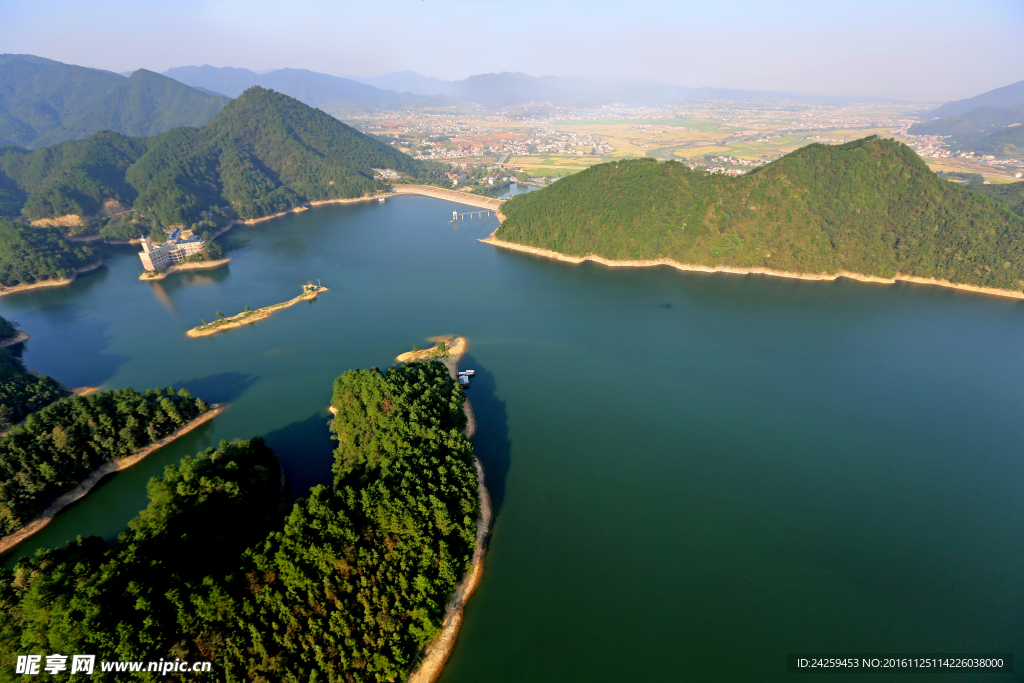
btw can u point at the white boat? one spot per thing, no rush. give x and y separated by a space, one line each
467 373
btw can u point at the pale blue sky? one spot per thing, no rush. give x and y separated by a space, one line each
934 49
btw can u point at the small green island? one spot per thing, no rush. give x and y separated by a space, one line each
248 316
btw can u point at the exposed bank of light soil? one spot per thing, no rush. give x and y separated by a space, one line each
248 317
451 195
437 652
97 475
52 283
547 253
197 265
18 337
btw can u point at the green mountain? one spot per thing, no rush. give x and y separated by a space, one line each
263 153
1004 98
870 206
43 102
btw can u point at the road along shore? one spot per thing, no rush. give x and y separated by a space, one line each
547 253
97 475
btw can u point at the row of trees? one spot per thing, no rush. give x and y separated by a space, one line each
870 206
348 587
57 447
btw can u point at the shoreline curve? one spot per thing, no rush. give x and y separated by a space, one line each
200 265
97 475
53 283
440 648
645 263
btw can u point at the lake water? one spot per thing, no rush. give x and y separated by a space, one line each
693 474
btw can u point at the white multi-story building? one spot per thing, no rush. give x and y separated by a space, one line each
175 250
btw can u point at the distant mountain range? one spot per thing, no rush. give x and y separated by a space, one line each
990 123
1003 98
330 93
408 89
43 101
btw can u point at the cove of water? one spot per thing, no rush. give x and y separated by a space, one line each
693 474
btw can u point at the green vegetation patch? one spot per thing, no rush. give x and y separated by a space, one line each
348 587
870 206
61 444
28 255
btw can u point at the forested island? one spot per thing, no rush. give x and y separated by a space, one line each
349 585
869 207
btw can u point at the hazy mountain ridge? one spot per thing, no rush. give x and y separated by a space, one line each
43 102
405 89
1002 98
331 93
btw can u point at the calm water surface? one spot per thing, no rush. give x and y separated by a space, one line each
694 474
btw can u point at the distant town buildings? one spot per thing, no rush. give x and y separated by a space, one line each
385 174
175 250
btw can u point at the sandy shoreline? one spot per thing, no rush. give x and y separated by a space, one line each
52 283
437 652
152 276
547 253
97 475
249 317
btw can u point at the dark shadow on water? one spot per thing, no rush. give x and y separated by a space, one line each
491 442
307 453
224 387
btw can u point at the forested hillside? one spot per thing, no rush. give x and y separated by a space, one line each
28 255
1011 194
43 102
870 206
21 392
347 588
61 444
263 153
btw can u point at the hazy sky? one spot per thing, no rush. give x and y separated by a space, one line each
922 48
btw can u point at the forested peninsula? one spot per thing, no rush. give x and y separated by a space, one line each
348 586
869 207
59 446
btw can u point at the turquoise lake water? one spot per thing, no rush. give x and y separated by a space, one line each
693 474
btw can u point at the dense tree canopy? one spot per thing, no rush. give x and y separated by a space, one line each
870 206
263 153
29 254
349 587
59 445
21 392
